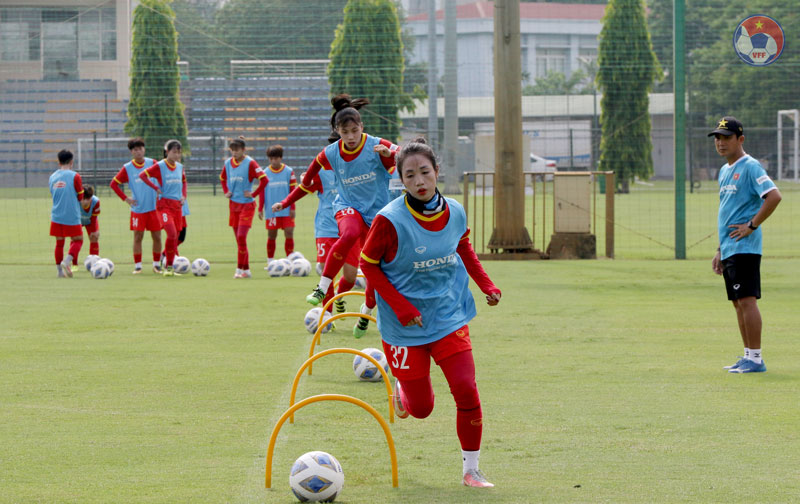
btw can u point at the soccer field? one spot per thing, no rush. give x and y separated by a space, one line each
601 381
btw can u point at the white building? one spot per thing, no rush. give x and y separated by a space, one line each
553 36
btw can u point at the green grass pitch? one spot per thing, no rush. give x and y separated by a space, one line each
601 381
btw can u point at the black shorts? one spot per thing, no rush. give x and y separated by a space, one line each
742 274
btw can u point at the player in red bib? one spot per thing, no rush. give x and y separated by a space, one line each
237 177
142 202
280 182
171 189
65 216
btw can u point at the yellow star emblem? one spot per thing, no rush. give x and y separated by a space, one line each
759 25
722 123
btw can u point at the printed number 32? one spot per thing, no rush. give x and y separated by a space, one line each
396 352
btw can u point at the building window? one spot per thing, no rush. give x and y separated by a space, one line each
20 34
551 60
97 34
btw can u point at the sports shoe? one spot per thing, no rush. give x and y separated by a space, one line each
168 272
246 274
475 478
315 297
137 271
340 307
738 363
399 410
157 269
360 329
66 268
749 366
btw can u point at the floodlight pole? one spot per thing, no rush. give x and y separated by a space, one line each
510 233
679 126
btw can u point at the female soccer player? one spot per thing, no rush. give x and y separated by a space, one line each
90 209
424 302
65 216
280 182
142 202
362 165
171 190
238 174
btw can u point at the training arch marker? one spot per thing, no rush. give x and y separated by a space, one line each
315 339
330 351
334 298
330 397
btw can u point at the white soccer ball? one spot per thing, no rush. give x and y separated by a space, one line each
366 370
287 266
316 477
319 268
277 268
109 263
89 261
200 267
311 320
295 255
300 267
181 265
100 270
361 282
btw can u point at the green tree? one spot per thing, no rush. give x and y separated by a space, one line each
556 83
627 69
155 111
367 61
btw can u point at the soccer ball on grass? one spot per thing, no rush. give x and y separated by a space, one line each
316 477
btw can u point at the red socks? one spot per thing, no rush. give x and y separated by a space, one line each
59 250
270 248
288 246
94 248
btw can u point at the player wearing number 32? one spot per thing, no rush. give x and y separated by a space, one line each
417 257
171 189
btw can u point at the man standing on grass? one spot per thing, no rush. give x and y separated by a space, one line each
743 184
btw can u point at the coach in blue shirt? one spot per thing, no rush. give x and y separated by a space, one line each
747 197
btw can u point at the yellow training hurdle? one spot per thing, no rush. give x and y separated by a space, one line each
330 397
315 339
333 299
353 351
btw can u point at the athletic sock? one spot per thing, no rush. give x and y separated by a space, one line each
74 249
157 257
59 251
344 286
755 355
288 246
746 353
270 248
470 459
157 263
94 248
137 258
324 284
138 265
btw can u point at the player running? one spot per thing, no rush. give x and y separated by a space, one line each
424 301
142 203
280 182
170 185
237 176
65 216
362 165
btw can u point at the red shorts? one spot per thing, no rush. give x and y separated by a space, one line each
324 246
148 221
241 214
64 230
414 362
170 211
92 227
280 222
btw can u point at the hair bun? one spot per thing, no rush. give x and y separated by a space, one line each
420 140
341 101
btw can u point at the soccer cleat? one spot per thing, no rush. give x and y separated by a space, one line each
168 272
738 363
246 274
316 296
749 366
360 329
157 269
340 308
137 271
399 410
61 273
475 478
66 268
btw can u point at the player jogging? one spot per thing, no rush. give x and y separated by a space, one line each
362 165
170 185
65 216
280 182
747 197
90 209
237 176
424 301
142 203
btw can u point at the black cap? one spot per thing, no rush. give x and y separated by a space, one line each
728 126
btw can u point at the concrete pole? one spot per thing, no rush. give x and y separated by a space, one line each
450 166
510 234
433 78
